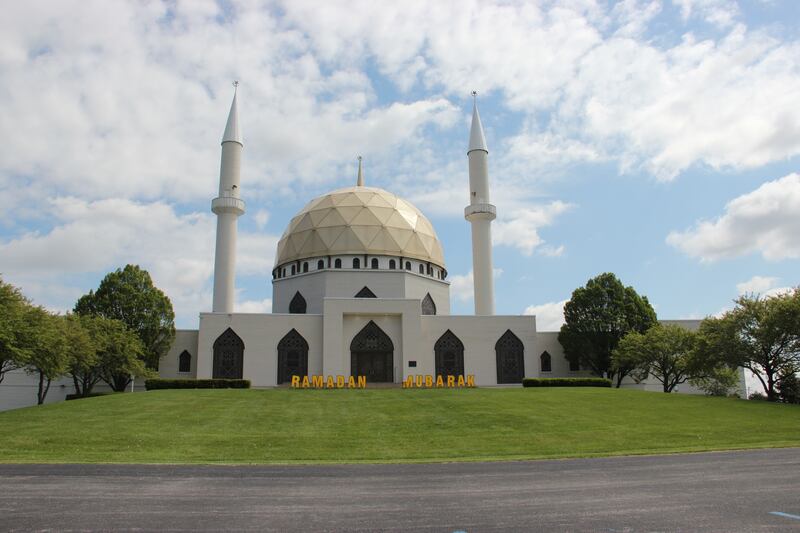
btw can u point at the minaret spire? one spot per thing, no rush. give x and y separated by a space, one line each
480 213
232 127
228 207
360 180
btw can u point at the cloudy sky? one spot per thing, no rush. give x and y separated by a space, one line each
659 140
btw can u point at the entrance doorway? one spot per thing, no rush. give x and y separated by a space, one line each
372 355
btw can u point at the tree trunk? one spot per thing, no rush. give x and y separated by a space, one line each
120 382
44 386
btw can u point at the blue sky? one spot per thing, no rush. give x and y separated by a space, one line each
658 140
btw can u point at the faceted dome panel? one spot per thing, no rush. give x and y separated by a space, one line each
360 220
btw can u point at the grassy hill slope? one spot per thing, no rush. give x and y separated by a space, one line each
386 425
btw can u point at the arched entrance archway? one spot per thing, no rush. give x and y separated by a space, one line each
449 352
228 356
372 355
292 357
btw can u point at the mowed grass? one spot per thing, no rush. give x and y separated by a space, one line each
386 425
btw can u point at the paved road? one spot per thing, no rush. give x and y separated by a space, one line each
727 491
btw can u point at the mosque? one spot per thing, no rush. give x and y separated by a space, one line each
360 289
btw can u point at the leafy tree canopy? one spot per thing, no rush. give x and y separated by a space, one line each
597 317
14 335
760 334
666 352
128 295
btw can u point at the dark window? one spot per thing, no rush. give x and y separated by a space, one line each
371 354
449 352
298 304
283 272
574 366
337 263
408 265
320 264
546 363
294 270
421 269
365 293
228 356
428 306
392 264
412 364
356 262
292 357
430 271
305 266
510 358
185 362
374 264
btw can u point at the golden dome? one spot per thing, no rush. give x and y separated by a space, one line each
359 220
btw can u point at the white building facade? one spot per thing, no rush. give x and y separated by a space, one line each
360 289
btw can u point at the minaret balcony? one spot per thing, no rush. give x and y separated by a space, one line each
227 204
480 212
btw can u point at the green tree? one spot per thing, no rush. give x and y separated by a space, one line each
119 354
48 345
789 387
759 334
665 352
597 316
84 360
14 338
128 295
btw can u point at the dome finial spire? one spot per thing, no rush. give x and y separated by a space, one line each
360 180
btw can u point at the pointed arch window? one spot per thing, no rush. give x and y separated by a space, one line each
374 263
298 304
365 293
421 269
228 356
356 262
428 306
546 362
294 270
320 264
337 263
510 352
185 362
408 265
449 352
292 356
392 264
305 266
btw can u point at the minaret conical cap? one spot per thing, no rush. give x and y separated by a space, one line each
476 139
232 133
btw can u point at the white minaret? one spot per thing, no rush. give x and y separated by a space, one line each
480 213
228 208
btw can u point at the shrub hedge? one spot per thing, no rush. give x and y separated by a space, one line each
159 383
91 395
566 382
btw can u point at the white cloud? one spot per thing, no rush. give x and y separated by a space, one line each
462 285
255 306
549 316
520 228
764 221
722 13
100 236
762 285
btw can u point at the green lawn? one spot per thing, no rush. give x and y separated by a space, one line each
386 425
